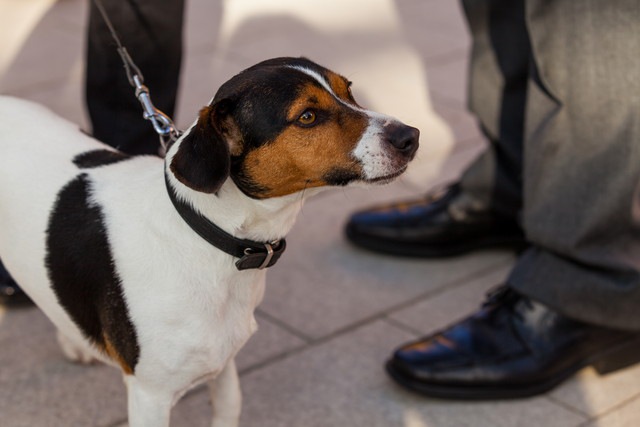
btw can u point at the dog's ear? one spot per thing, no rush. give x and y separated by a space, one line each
203 160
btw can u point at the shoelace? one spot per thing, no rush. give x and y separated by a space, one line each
503 297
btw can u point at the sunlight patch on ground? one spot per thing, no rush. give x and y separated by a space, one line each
333 15
17 21
412 418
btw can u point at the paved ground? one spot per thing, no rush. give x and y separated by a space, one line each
332 313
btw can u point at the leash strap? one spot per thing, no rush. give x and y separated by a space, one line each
251 254
162 124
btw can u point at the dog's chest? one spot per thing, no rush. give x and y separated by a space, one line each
195 334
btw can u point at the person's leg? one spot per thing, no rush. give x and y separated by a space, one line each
582 162
498 78
574 295
483 209
151 31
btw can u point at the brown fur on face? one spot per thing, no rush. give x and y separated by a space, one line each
341 87
303 157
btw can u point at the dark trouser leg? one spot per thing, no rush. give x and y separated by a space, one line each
152 33
497 95
582 161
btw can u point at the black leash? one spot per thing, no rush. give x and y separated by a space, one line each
162 124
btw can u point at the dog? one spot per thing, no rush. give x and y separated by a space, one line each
156 266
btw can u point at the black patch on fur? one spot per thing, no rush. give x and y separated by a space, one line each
97 158
82 272
202 162
340 177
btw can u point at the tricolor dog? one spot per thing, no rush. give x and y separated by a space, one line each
156 266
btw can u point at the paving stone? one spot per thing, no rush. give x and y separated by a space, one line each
28 69
448 81
451 305
39 387
445 17
204 18
341 382
70 14
202 75
595 395
268 342
37 384
423 29
323 284
464 125
626 415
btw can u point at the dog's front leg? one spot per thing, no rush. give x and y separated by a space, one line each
226 398
148 406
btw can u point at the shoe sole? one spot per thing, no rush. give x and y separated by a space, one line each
613 359
441 250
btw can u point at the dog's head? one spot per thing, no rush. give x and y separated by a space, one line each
288 124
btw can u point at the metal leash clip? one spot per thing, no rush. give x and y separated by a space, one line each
162 124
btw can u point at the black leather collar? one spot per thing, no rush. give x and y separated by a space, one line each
251 254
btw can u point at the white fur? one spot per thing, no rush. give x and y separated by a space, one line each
191 308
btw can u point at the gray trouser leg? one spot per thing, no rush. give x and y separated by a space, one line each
582 161
581 146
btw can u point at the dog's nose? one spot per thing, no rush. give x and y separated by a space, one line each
403 138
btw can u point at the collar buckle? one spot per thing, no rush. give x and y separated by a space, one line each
267 259
259 259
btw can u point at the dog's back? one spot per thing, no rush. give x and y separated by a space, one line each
32 139
37 153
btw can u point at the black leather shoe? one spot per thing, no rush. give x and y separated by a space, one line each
10 293
512 348
428 228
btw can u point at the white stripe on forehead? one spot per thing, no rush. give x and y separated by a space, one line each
317 76
325 84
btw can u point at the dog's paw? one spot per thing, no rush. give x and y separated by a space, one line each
75 352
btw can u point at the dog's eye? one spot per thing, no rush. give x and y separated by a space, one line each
307 118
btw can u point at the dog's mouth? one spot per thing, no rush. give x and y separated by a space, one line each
385 179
